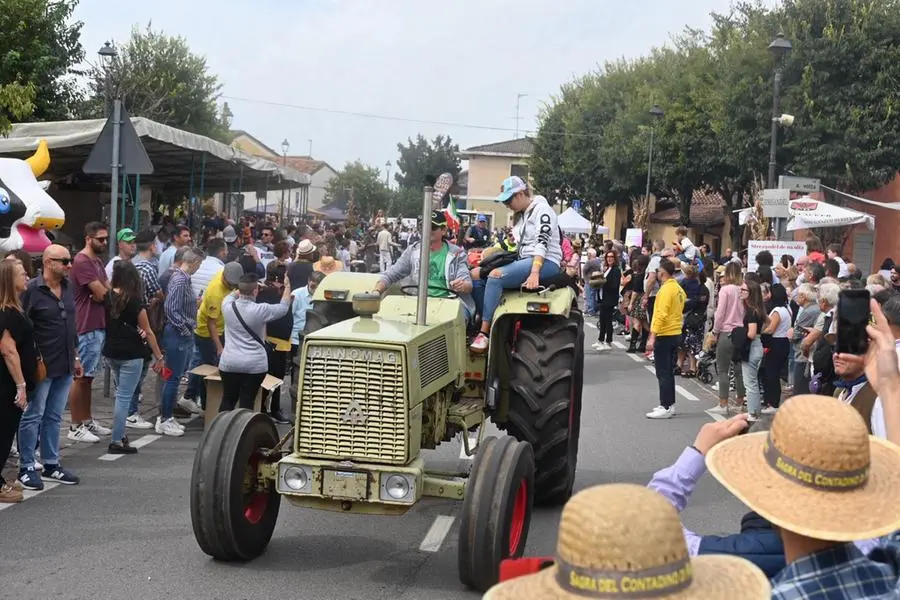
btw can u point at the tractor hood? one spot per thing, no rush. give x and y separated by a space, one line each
374 330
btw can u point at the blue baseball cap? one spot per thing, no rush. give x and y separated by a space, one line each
511 186
482 219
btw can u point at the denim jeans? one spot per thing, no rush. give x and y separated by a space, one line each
590 300
750 375
512 276
46 403
664 358
135 405
478 295
178 349
204 354
128 373
90 347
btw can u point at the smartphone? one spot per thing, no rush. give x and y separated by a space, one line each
852 314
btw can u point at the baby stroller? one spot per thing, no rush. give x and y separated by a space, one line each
708 371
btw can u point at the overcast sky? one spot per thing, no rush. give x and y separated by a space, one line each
460 62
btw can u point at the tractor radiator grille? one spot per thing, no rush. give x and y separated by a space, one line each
352 405
434 361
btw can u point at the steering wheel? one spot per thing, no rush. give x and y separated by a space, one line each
413 290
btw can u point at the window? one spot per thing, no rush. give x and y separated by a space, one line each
520 171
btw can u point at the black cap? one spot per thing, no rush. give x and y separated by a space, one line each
438 218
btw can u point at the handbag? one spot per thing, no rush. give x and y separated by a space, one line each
740 349
497 260
40 369
267 346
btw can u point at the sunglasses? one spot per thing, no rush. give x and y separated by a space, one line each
102 240
63 261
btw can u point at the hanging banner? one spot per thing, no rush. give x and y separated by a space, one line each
776 248
634 237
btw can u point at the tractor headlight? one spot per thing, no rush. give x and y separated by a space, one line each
397 487
296 478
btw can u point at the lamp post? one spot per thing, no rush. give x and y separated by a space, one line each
387 174
285 146
657 113
779 49
518 103
107 56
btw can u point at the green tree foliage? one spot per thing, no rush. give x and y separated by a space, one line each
421 157
716 90
40 47
16 104
362 183
158 77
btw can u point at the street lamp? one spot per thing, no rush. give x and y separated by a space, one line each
227 115
656 113
387 174
107 55
285 146
779 49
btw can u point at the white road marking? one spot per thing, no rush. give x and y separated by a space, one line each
591 325
436 534
651 368
619 345
636 358
138 443
716 416
473 442
29 494
686 394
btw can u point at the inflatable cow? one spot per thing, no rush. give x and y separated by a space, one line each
26 209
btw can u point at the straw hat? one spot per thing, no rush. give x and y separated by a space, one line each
305 247
817 472
624 540
328 265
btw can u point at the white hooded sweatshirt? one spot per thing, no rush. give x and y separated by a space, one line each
536 231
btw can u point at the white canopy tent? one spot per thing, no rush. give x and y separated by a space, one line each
572 222
807 213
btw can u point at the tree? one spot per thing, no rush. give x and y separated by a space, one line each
16 103
364 184
421 158
40 46
158 77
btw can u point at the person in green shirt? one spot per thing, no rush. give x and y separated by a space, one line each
448 271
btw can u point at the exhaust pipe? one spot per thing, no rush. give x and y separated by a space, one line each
422 298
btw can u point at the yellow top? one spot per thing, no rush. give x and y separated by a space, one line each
668 311
211 306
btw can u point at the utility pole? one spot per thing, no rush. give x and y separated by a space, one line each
518 118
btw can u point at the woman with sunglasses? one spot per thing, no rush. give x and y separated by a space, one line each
608 298
536 229
752 351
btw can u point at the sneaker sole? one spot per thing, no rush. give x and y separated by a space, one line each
139 425
60 481
76 438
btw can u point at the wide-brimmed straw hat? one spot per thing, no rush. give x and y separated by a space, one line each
328 265
817 472
626 541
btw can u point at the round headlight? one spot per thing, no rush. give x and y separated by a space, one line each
397 487
295 478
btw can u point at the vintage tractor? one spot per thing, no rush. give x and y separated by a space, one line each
380 380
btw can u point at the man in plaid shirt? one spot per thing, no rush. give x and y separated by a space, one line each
824 482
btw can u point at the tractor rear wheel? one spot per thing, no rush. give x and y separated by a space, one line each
496 513
546 379
233 514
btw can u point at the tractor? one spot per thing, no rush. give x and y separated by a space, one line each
382 378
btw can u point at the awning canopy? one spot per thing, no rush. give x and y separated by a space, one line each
178 156
572 222
809 213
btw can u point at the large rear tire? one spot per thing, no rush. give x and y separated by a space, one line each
546 380
232 516
496 513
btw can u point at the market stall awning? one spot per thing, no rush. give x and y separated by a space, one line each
809 213
178 156
572 222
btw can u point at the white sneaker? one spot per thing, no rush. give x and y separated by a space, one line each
97 429
178 423
136 421
661 412
607 346
81 434
189 405
168 427
598 346
769 410
718 410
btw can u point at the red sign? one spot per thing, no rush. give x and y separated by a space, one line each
801 205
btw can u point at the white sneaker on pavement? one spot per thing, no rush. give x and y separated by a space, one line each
769 410
598 346
168 427
81 434
189 405
136 421
718 410
97 429
660 412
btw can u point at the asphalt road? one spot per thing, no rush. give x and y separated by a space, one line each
126 532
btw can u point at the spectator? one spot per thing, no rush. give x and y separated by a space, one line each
127 249
91 286
665 337
808 301
244 361
300 270
777 347
278 336
181 239
17 370
607 296
50 305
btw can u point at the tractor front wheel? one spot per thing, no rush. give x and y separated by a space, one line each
546 379
233 511
496 513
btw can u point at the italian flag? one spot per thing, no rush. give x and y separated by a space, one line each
451 214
